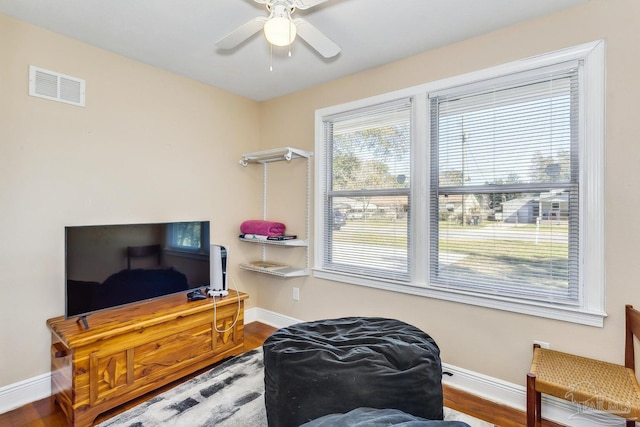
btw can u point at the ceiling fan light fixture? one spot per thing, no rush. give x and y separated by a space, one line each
280 31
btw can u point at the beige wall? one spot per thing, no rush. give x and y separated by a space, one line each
148 146
61 165
493 342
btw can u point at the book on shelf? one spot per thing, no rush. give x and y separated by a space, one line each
289 237
253 236
267 265
272 238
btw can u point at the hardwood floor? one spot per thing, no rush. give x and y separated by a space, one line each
45 413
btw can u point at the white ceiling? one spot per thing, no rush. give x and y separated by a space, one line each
179 35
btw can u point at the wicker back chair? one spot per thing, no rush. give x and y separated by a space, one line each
591 384
143 251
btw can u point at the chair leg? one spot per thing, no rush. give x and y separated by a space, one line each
538 409
534 399
631 423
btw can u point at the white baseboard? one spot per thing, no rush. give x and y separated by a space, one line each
270 318
567 413
14 395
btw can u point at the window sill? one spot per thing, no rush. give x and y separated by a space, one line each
187 254
532 308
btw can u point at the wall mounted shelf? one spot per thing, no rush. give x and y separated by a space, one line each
273 268
274 155
292 242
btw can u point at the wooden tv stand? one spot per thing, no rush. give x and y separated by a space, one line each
129 351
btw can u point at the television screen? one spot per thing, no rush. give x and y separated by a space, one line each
113 265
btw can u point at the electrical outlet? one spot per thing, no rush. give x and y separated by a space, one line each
542 344
296 294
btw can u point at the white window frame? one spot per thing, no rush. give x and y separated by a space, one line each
591 310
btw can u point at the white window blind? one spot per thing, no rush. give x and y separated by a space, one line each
505 185
368 185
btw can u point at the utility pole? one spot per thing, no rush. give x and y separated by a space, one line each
464 162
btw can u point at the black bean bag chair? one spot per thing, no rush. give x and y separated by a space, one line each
333 366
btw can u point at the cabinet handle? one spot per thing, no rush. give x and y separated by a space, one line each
59 351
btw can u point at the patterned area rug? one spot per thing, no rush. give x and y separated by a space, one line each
231 394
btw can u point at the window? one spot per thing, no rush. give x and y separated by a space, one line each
484 188
368 182
188 236
503 154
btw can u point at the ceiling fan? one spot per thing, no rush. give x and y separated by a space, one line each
281 29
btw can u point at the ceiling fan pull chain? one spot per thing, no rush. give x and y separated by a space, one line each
290 25
270 57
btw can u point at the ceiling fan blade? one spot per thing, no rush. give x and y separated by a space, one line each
307 4
323 44
240 34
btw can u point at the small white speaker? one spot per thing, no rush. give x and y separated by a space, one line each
218 271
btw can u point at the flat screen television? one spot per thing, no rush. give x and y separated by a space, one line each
109 266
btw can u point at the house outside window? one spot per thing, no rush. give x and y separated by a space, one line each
484 188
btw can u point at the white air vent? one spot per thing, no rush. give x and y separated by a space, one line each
55 86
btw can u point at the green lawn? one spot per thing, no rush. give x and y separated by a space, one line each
394 234
487 258
507 249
